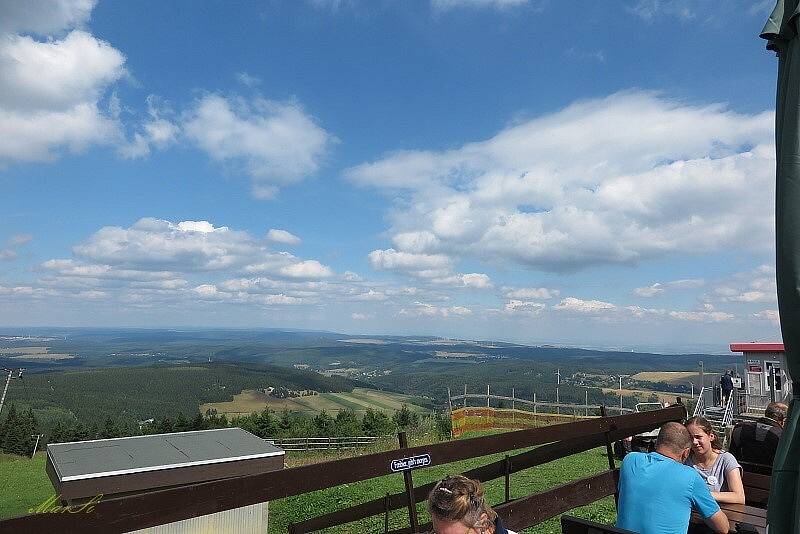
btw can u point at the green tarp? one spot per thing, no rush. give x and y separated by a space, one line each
781 30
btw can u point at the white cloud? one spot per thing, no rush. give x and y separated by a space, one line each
649 10
532 293
572 304
615 180
702 316
639 312
282 236
769 315
444 5
306 269
50 89
44 17
155 244
476 280
19 240
156 132
247 80
519 306
393 260
422 309
649 291
358 316
276 143
8 254
371 295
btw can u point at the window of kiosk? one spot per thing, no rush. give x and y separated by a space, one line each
778 375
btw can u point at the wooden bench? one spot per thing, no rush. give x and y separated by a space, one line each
756 489
575 525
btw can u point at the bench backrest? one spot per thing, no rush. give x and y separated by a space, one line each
575 525
756 489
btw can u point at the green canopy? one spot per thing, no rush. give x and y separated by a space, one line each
781 31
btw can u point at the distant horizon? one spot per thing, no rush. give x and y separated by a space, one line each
5 330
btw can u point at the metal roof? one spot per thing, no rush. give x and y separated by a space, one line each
757 347
137 454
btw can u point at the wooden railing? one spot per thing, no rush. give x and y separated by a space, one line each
128 513
323 443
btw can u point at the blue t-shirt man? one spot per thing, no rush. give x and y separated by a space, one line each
657 494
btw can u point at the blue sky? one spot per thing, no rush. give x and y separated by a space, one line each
593 173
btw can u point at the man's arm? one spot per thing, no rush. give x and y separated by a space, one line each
718 522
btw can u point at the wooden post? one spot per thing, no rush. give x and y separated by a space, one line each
386 514
534 403
610 453
465 395
586 403
507 469
487 395
412 506
450 407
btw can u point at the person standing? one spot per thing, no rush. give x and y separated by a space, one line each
726 385
657 492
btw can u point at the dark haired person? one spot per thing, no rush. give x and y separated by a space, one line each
726 387
719 469
755 442
457 506
657 492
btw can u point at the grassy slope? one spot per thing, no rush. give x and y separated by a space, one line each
24 482
26 485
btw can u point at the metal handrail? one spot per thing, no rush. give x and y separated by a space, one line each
700 407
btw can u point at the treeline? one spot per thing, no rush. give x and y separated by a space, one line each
139 393
19 429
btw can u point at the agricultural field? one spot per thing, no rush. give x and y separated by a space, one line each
668 377
28 486
358 400
34 354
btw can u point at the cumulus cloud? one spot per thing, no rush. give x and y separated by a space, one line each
532 293
422 309
156 249
575 305
769 315
658 288
519 306
276 143
419 264
757 285
155 132
13 243
44 17
282 236
615 180
51 88
306 269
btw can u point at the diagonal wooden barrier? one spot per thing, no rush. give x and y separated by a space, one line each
134 512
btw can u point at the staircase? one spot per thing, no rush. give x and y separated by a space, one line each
720 417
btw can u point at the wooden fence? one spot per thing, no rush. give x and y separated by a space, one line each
128 513
323 443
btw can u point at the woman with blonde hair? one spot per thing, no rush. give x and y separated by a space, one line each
718 468
458 506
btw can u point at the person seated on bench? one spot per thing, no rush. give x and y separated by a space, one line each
755 442
457 506
718 468
657 492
